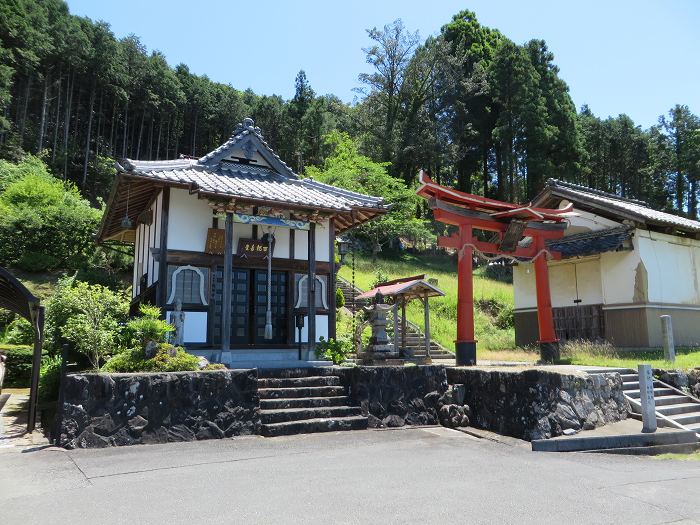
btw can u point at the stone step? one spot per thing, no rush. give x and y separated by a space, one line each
576 444
297 414
658 392
296 382
306 391
303 402
679 408
630 385
630 377
687 419
610 370
653 450
308 426
271 373
673 399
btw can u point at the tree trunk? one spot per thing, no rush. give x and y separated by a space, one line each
23 122
194 134
66 122
167 138
485 168
138 144
150 140
126 120
99 130
111 127
58 113
160 134
42 122
89 132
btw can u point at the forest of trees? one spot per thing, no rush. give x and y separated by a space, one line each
480 112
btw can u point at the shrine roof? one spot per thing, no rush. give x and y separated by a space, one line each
409 289
496 209
614 206
591 243
244 169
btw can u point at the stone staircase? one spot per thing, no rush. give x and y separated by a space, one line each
415 339
674 408
296 401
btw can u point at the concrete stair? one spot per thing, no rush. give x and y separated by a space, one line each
674 408
299 402
415 339
621 444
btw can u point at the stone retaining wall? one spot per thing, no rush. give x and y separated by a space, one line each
103 410
537 404
686 380
393 396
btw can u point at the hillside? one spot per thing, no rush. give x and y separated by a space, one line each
490 296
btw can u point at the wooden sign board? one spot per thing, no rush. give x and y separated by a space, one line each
253 248
215 241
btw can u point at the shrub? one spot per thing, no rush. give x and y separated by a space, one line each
44 222
93 314
339 298
49 378
499 272
134 361
148 327
333 350
19 332
505 318
18 371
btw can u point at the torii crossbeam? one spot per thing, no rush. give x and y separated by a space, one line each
520 231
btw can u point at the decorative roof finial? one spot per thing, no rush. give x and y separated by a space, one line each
248 123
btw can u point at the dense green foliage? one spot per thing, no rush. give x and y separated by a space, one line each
49 378
148 326
44 222
18 370
134 361
480 112
334 350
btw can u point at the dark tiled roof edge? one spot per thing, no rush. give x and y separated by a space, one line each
556 183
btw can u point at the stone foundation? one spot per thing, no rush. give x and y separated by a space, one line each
394 396
102 410
537 404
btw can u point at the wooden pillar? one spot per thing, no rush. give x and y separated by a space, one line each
426 320
311 290
465 346
227 287
395 312
331 278
162 290
549 344
37 313
403 328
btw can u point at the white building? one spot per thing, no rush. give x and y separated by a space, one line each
623 265
199 228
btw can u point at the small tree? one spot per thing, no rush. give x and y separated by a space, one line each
148 327
92 323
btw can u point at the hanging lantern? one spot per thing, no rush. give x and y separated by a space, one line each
343 248
127 223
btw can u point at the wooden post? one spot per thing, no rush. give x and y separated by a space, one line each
426 318
403 328
549 344
227 287
37 313
311 290
331 278
163 252
395 311
465 346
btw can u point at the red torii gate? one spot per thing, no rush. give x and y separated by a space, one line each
510 224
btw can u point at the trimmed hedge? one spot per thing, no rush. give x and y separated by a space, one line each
18 371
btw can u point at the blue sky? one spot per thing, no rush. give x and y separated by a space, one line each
618 56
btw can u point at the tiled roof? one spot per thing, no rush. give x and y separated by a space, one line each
638 210
590 243
216 173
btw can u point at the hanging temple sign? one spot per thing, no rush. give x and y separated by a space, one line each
519 232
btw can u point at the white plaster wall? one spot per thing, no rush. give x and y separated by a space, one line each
562 283
281 243
301 243
240 231
188 221
672 267
586 221
321 329
195 327
618 271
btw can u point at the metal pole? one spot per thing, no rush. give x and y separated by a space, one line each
395 311
311 288
227 288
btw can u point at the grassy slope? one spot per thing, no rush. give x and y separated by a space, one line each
443 310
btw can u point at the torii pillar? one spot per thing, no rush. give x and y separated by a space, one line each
465 345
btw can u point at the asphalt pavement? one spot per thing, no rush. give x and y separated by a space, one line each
414 475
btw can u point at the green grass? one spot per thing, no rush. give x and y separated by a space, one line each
692 456
443 310
591 354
